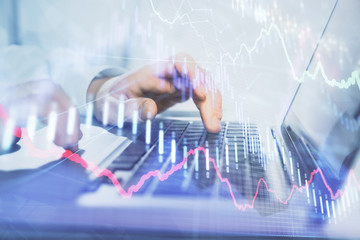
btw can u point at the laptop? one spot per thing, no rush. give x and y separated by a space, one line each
169 178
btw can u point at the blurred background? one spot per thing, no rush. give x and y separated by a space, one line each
255 50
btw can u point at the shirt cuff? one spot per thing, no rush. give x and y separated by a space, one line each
75 84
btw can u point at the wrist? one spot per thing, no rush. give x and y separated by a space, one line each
100 79
94 88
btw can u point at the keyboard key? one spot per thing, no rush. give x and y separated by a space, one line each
135 149
126 159
122 166
189 182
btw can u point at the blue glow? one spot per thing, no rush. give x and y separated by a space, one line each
227 154
173 148
71 121
161 139
185 150
89 113
31 125
121 113
51 126
196 158
8 134
236 151
207 162
217 154
148 131
134 122
105 116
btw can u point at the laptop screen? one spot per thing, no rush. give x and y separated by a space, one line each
326 109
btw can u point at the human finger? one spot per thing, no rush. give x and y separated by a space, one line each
43 100
111 110
208 100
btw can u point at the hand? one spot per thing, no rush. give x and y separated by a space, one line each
155 88
39 98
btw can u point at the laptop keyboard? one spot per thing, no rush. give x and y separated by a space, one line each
234 149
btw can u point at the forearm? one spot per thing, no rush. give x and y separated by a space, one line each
100 79
94 87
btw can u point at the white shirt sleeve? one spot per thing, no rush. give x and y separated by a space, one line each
74 73
19 64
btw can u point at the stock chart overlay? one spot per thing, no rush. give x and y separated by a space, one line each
193 119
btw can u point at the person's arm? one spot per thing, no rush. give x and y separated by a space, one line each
38 99
73 72
28 91
100 79
155 88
